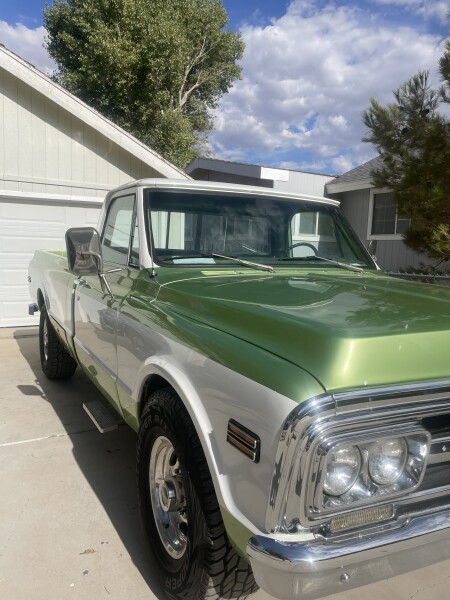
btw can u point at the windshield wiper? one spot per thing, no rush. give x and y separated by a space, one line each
241 261
336 263
244 263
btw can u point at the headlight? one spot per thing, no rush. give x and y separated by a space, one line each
376 464
343 465
387 460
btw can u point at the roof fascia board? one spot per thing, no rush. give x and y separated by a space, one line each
252 171
244 170
19 68
351 186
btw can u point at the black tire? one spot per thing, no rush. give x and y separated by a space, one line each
56 362
208 567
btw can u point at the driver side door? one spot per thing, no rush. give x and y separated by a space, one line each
96 311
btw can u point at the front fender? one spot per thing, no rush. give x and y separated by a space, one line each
213 394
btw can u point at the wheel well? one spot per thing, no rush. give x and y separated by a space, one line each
40 299
152 384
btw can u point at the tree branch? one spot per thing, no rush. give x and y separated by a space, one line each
183 94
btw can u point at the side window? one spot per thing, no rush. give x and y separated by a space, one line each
117 233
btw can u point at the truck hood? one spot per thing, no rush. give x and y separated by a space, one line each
348 330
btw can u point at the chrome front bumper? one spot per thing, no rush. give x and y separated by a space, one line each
318 568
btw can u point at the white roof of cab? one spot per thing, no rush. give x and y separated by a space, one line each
212 186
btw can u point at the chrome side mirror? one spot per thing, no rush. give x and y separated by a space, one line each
83 251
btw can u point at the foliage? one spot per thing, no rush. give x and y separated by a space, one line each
413 140
154 67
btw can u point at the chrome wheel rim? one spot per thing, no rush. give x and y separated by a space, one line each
168 497
45 340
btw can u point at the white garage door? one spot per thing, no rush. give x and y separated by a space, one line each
25 227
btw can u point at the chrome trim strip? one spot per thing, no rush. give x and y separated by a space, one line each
371 398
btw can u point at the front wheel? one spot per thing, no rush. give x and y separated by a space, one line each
179 510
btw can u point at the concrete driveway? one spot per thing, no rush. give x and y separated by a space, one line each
69 525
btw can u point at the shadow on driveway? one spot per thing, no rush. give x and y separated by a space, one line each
107 461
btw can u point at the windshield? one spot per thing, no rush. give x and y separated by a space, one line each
198 228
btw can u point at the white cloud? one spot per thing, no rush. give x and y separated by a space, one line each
308 76
430 9
28 44
341 164
338 121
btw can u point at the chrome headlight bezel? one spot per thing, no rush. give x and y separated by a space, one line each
365 490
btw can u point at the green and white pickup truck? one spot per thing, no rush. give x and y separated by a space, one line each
292 403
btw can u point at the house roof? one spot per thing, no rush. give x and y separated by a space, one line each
357 178
27 73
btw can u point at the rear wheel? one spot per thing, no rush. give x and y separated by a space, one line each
179 509
56 362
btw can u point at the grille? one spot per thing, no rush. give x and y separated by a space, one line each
437 474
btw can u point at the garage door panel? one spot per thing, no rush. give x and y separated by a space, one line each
13 277
27 245
33 227
24 228
82 217
17 312
32 213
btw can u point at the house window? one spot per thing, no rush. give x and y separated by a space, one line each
385 218
307 223
311 223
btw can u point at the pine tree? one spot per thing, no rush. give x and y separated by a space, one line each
413 140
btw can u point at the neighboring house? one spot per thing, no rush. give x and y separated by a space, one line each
211 169
374 216
58 158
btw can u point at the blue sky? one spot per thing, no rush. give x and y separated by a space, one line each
309 70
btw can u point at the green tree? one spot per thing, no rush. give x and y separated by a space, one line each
155 67
413 140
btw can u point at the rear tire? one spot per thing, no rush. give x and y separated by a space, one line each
56 362
179 511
